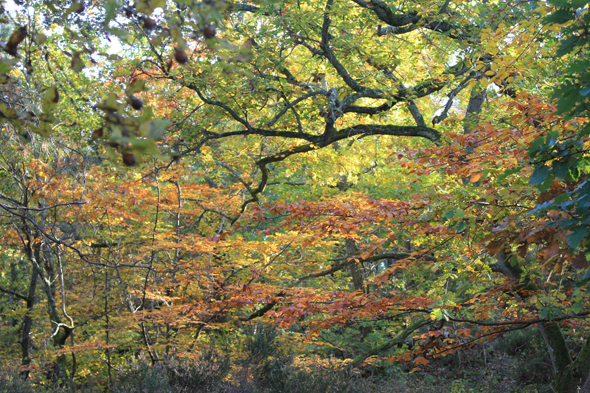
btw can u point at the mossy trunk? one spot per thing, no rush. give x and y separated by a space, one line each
570 375
575 375
558 346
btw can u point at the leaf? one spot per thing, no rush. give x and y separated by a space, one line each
110 12
560 17
121 33
77 64
177 37
40 38
50 99
449 214
6 65
475 177
578 234
509 172
421 360
154 129
436 314
147 7
539 175
75 7
136 86
580 261
461 227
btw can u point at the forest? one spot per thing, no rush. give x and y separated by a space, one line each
294 196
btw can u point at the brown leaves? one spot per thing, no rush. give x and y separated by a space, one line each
77 64
495 246
580 261
15 39
549 251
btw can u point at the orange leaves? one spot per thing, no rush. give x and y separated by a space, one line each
475 177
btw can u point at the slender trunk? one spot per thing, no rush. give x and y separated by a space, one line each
28 324
107 327
42 264
355 270
541 328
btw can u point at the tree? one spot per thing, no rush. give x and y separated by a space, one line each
357 165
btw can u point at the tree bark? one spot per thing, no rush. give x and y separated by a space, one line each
570 375
355 271
576 374
28 324
586 387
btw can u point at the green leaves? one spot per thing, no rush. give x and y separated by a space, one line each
540 174
579 233
7 64
136 86
563 155
51 98
437 314
77 63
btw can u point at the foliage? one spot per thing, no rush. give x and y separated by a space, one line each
370 185
562 154
171 375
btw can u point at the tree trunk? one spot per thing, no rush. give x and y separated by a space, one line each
25 342
355 270
576 374
571 375
474 107
586 387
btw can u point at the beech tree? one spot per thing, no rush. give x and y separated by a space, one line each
176 170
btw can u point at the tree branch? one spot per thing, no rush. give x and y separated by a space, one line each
399 339
13 293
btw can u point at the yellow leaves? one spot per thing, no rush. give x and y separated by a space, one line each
436 314
492 48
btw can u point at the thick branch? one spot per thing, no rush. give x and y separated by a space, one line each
402 23
524 322
329 54
399 339
422 89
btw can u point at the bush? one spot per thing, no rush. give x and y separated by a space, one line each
293 380
267 367
533 358
141 377
12 382
206 374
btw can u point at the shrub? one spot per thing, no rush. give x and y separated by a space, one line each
206 374
12 382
